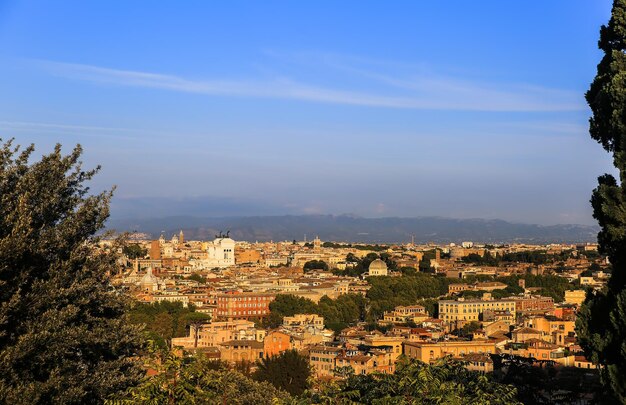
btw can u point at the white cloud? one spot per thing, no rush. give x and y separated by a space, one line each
423 92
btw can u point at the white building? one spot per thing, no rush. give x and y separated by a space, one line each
221 253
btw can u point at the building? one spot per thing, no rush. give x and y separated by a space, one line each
458 287
241 350
211 334
155 250
248 256
532 303
220 253
276 342
431 351
405 314
524 334
378 268
383 342
480 362
182 298
553 329
376 361
576 297
243 305
470 310
323 359
304 321
490 286
149 282
582 362
541 350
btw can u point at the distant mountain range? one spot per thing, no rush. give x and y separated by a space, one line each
349 228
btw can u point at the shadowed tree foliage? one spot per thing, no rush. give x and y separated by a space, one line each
198 380
414 382
315 265
63 336
602 322
288 371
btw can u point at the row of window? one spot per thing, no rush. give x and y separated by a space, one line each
253 305
252 298
255 312
322 359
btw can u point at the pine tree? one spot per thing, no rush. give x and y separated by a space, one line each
602 320
63 336
288 371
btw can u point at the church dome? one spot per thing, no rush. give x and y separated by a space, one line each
149 278
378 265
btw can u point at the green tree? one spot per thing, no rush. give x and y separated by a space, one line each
288 305
315 265
470 328
134 251
63 336
601 325
197 277
165 320
414 382
198 380
288 371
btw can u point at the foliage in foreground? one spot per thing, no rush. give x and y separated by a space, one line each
289 371
197 381
63 336
414 382
601 325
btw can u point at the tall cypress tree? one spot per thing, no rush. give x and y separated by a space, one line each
63 337
602 322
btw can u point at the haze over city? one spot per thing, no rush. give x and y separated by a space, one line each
473 110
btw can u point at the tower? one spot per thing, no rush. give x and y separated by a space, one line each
317 244
181 237
155 250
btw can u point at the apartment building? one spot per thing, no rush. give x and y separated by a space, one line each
470 310
431 351
243 305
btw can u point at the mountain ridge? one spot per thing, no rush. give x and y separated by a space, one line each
351 228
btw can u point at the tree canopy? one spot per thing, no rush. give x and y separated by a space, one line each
134 251
339 313
63 335
288 371
165 320
315 265
601 325
445 382
198 380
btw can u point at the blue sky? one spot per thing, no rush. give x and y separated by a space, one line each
457 109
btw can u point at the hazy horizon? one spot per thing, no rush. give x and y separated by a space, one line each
146 208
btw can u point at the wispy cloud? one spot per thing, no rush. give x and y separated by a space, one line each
19 126
424 92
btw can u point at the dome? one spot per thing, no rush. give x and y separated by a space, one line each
149 278
378 265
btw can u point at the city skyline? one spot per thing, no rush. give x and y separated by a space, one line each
414 110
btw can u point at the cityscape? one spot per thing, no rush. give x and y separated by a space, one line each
472 302
338 203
